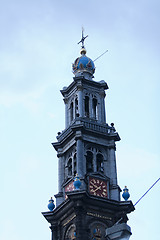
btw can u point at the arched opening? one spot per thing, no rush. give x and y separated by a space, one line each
89 162
71 111
97 230
70 233
69 165
94 104
86 106
99 161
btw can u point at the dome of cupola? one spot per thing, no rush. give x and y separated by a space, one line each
83 65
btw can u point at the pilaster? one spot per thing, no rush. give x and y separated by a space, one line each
54 232
80 156
80 100
66 112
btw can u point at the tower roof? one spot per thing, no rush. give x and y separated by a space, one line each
83 64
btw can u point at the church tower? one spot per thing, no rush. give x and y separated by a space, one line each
86 155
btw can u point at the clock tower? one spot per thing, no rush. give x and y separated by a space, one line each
86 151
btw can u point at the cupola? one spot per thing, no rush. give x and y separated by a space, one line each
83 64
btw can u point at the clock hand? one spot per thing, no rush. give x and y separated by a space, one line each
97 189
93 184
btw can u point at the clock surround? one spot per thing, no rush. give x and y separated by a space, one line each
69 188
97 187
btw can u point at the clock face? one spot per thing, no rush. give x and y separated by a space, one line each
98 187
69 188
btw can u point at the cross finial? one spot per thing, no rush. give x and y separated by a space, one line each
83 38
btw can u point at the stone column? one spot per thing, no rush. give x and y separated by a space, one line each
74 112
80 101
113 169
53 232
60 172
90 107
66 113
114 190
94 161
72 166
106 164
99 110
80 156
80 221
103 112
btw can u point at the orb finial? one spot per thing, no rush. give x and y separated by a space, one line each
125 194
77 182
51 205
83 51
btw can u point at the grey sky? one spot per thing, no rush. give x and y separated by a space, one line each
38 44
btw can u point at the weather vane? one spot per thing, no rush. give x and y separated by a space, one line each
83 38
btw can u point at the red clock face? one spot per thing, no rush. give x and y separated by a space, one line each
98 187
69 188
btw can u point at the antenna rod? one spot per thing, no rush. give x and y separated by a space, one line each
100 55
139 199
147 191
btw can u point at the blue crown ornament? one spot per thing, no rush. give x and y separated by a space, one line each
77 182
125 194
51 205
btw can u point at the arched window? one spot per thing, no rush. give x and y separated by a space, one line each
86 106
70 233
99 161
97 230
94 104
69 165
89 161
71 111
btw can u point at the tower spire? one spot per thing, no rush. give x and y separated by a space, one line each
83 38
